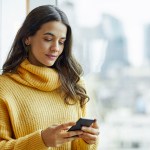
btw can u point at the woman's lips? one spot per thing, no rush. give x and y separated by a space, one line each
51 57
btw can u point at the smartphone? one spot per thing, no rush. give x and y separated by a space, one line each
81 122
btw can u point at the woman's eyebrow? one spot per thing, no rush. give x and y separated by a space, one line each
49 33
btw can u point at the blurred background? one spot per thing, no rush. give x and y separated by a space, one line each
112 43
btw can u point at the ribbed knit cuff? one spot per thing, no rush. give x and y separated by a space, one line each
84 146
35 141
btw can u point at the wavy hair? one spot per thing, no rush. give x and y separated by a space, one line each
68 68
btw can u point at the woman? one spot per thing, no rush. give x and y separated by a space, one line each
41 93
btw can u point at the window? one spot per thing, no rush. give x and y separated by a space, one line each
111 41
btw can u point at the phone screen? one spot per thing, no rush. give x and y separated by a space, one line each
81 122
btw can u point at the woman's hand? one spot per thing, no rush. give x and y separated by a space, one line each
57 135
90 134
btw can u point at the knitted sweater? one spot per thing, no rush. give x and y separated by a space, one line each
30 101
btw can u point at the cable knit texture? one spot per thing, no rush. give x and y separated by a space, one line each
30 101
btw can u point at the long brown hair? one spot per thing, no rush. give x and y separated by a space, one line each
68 68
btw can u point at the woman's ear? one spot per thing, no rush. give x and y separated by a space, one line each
28 41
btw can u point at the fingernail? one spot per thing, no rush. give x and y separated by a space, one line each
83 128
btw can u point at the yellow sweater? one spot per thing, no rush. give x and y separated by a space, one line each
31 101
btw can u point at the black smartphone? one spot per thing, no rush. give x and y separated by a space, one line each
81 122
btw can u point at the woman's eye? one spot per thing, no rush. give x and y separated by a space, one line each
48 40
61 43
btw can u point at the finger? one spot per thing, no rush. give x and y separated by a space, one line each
95 125
70 139
89 138
71 134
64 126
67 128
90 130
89 141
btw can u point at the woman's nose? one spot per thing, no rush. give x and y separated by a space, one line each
55 46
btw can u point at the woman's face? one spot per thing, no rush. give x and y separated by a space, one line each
47 44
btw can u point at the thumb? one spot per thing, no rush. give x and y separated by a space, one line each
95 124
64 126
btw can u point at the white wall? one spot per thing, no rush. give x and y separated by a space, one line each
12 15
0 29
36 3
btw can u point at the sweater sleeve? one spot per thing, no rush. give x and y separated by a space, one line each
80 144
32 141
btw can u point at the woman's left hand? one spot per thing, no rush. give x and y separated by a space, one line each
90 134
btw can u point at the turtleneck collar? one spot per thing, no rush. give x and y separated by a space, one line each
42 78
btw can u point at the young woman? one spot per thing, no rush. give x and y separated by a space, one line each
41 91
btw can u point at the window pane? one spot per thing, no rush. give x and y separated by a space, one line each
112 42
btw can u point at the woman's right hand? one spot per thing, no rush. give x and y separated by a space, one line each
57 135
